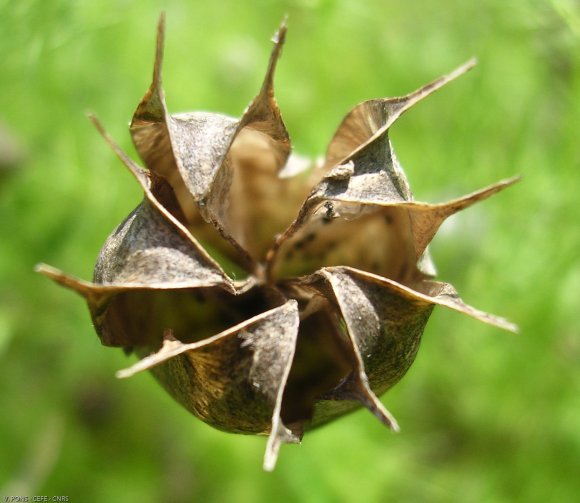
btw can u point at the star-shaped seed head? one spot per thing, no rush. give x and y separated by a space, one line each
268 294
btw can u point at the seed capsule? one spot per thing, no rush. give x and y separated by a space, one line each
332 282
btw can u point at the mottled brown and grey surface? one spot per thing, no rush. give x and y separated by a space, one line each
337 284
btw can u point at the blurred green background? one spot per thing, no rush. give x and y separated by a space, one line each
486 416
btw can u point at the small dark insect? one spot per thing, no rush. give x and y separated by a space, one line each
329 215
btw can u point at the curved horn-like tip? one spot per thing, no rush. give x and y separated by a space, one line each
81 287
92 116
512 180
152 105
465 67
46 270
464 202
160 44
171 347
278 39
457 72
372 403
50 272
280 35
135 170
362 392
103 132
278 436
437 84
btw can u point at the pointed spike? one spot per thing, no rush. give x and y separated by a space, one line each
265 97
432 292
408 101
278 436
411 99
159 48
429 217
428 89
278 39
372 403
361 134
455 303
356 387
139 173
464 202
272 451
152 105
171 347
142 177
81 287
283 28
263 121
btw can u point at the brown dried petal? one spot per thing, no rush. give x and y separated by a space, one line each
384 322
263 173
322 360
157 229
235 379
384 325
144 253
327 378
165 143
371 119
342 217
150 250
382 314
361 173
209 158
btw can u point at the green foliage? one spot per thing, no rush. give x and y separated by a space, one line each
485 416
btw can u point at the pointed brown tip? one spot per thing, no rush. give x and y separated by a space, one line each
103 132
39 268
278 436
171 348
465 67
278 39
135 170
510 181
126 373
161 22
366 396
437 84
456 205
81 287
160 44
280 36
447 296
48 271
97 123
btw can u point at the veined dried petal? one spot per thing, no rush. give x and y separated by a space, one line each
234 380
372 204
369 120
384 322
209 158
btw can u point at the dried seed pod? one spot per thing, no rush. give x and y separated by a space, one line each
338 284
